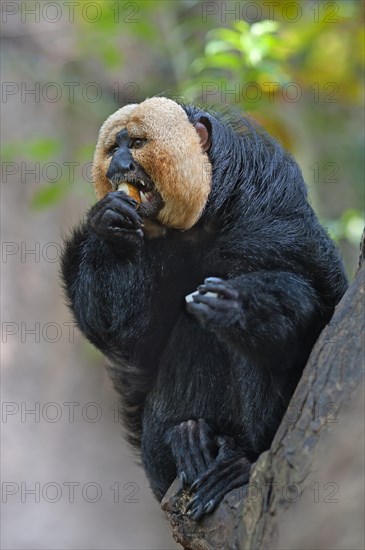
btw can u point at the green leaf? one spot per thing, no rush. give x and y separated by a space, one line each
264 27
35 150
241 26
222 61
49 195
225 35
42 149
353 225
216 46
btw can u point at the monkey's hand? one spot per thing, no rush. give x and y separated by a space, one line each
115 218
215 304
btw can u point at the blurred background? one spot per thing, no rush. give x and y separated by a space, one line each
68 479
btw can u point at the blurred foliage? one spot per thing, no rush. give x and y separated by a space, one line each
34 150
349 226
49 195
220 53
282 52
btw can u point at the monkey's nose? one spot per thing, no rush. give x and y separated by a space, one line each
120 165
126 166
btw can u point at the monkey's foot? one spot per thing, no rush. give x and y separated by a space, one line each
215 303
193 448
214 484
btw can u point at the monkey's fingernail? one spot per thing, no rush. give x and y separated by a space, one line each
197 513
183 478
191 504
192 489
190 297
208 507
213 280
208 294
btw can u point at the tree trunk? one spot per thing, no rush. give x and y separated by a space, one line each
310 444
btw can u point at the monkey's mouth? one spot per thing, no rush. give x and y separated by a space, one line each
141 190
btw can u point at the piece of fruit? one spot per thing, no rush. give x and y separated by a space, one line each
130 190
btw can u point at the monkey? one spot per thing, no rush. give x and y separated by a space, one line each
203 275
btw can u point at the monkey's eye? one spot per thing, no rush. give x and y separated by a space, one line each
136 143
113 149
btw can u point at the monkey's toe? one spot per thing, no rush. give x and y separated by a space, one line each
211 487
193 448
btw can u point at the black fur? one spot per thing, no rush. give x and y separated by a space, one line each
204 386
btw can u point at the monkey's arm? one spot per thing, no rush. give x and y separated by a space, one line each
266 314
106 277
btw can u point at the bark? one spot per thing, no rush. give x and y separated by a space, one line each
253 517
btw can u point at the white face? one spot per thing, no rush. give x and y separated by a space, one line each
171 156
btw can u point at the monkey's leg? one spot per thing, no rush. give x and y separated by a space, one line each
263 314
193 448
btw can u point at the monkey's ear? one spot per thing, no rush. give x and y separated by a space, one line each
204 129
